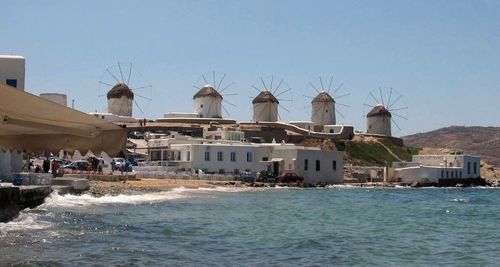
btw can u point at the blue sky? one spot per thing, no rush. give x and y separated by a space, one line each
443 56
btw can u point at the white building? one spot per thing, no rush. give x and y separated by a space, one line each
438 168
231 156
265 107
120 100
12 70
208 102
379 121
323 110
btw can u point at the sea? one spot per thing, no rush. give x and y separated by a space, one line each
334 226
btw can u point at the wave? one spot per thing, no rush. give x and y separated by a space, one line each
27 220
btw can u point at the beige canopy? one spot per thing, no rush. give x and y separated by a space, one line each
31 123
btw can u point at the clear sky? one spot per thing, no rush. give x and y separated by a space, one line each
443 56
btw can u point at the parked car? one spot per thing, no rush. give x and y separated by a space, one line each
136 135
80 165
248 177
119 162
290 178
266 177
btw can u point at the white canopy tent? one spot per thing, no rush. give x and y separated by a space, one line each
31 123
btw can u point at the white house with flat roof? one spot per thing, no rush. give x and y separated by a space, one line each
438 168
12 70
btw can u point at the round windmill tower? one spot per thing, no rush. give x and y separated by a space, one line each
121 96
120 100
382 114
208 102
265 107
379 120
267 103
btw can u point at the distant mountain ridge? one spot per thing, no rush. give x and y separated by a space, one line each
474 140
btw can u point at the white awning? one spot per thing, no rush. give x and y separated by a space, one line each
32 123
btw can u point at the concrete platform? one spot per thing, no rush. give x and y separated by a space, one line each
16 198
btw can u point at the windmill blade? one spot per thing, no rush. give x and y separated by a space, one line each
381 96
205 79
118 81
129 73
368 105
279 84
288 90
338 88
102 95
227 102
321 82
330 84
213 72
230 94
147 98
121 73
196 87
389 101
397 115
227 112
374 98
340 113
263 83
227 86
344 105
142 87
101 82
308 106
394 121
220 82
258 90
281 106
393 103
286 100
307 96
312 85
344 95
271 87
137 105
396 109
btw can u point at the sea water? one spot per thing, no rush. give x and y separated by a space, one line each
260 227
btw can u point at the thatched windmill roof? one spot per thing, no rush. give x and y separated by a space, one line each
265 97
120 90
379 110
323 97
207 90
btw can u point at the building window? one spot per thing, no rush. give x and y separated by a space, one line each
451 174
442 173
318 167
447 174
233 156
220 156
11 82
460 174
248 170
222 171
188 156
265 159
468 167
236 171
334 165
306 164
249 156
207 155
475 167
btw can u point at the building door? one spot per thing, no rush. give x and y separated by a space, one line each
276 168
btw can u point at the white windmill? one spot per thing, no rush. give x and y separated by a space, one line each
121 96
324 104
208 100
382 114
267 103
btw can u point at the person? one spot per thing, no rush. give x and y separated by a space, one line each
99 167
55 168
140 123
46 165
38 169
113 165
144 122
30 165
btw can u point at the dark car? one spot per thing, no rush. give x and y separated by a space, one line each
81 165
248 177
136 135
266 177
290 178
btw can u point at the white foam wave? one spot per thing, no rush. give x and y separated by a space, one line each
75 201
461 200
25 221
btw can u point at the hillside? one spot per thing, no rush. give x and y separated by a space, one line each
480 141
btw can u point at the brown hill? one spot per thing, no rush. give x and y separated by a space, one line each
475 140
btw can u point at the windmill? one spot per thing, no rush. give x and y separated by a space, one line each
323 105
267 103
121 83
384 112
208 100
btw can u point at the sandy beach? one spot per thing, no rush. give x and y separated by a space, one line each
100 188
